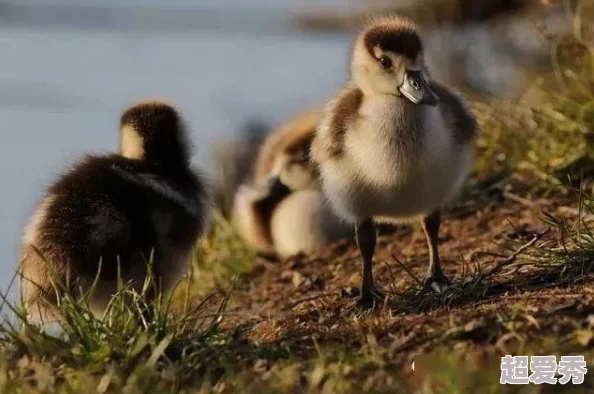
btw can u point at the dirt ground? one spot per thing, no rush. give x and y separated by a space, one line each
290 302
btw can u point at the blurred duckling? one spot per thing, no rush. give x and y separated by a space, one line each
287 148
143 204
393 146
283 211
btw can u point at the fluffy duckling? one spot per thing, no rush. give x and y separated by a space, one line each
282 211
287 149
117 210
393 146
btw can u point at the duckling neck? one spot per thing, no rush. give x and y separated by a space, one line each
169 156
394 115
394 128
170 164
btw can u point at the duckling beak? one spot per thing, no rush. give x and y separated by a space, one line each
415 89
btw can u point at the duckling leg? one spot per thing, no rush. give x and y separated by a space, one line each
435 278
366 234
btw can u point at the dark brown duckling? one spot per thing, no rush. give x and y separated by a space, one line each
117 212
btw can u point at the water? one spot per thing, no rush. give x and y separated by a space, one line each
64 81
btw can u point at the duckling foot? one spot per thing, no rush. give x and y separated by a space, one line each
436 282
371 298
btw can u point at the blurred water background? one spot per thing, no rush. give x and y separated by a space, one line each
68 68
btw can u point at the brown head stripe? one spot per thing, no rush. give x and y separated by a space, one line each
300 147
403 41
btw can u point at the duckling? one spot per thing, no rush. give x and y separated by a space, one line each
113 214
288 144
393 146
282 211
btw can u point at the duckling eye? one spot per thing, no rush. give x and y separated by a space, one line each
415 85
385 62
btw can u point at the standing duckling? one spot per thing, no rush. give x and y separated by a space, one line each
282 211
117 212
393 146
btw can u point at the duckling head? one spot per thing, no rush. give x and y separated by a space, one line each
388 59
293 166
154 131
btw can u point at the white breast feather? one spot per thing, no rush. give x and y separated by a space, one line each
383 180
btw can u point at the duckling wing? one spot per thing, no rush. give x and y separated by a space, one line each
455 111
329 139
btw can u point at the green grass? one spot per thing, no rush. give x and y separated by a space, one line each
551 137
222 256
135 344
